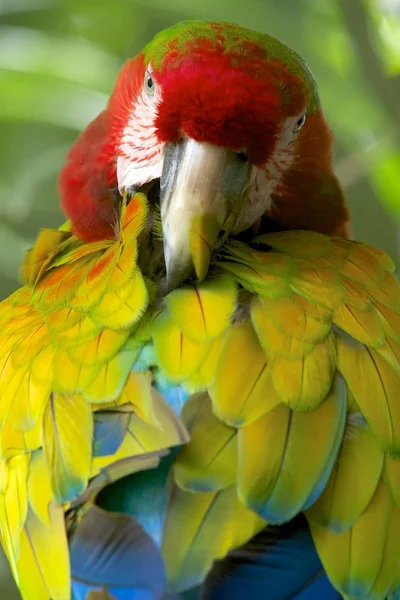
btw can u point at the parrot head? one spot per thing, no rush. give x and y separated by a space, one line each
224 126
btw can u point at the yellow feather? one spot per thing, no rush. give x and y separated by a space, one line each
272 340
137 392
388 292
123 307
74 249
192 407
28 577
43 568
291 318
59 286
10 381
314 270
384 259
125 267
362 325
391 473
84 331
14 441
347 557
40 493
353 480
289 474
208 526
209 461
390 352
178 356
14 505
71 377
310 285
312 310
260 279
376 389
389 319
42 365
356 296
204 377
363 266
19 320
100 349
110 380
19 298
303 244
248 255
4 476
45 248
22 356
28 402
97 279
133 217
390 566
203 311
303 384
67 443
242 390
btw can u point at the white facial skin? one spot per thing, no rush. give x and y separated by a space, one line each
140 156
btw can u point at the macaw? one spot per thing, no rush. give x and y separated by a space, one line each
200 374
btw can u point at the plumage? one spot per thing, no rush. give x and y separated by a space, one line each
204 311
289 474
242 390
67 444
43 566
178 356
358 573
209 462
285 557
104 549
200 541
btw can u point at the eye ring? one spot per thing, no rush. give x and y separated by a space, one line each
149 84
300 123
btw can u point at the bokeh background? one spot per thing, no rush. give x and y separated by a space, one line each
59 60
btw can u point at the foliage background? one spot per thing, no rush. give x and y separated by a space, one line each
59 60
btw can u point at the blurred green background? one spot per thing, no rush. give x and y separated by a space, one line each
59 60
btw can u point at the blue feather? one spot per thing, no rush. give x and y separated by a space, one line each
175 395
146 359
112 552
282 569
341 396
273 510
143 496
109 431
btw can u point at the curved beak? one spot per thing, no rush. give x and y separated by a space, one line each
203 189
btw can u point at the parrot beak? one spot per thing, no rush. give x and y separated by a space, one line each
203 189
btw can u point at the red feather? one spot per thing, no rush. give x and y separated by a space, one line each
88 182
208 99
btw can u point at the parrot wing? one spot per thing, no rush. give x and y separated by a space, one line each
74 413
300 408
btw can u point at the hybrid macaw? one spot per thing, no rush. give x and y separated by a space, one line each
200 375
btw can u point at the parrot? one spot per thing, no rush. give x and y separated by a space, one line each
200 375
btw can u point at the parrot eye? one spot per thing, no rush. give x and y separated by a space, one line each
299 124
149 85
